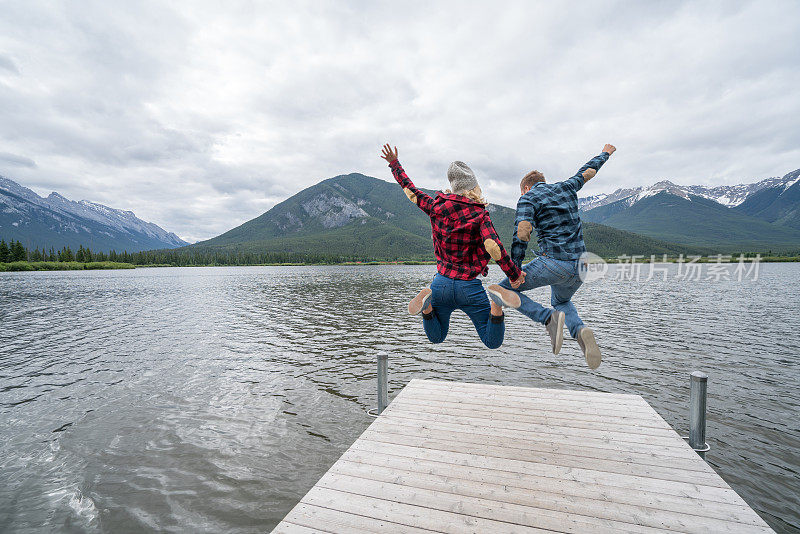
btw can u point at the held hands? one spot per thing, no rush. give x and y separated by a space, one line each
609 148
388 155
518 282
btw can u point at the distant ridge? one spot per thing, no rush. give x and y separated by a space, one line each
778 204
762 217
727 195
359 216
56 221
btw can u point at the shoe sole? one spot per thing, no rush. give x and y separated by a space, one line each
503 297
590 348
420 302
560 336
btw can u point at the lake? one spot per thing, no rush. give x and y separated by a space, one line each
211 399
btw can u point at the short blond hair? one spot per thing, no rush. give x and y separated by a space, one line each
531 179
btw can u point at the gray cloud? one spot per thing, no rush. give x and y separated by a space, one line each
15 160
199 118
8 64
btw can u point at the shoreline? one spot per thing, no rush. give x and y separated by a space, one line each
23 266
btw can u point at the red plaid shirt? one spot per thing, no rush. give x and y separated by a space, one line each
460 227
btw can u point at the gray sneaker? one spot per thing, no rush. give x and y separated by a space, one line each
503 297
589 347
556 330
420 302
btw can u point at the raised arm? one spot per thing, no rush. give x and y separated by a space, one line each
522 230
491 241
591 167
415 195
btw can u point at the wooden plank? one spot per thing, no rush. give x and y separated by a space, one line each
520 390
696 504
447 521
561 436
481 508
500 396
290 528
553 501
522 405
607 465
453 457
582 454
567 432
641 454
584 475
336 521
620 417
542 418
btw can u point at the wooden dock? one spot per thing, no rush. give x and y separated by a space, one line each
456 457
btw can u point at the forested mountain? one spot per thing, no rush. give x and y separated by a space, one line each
696 221
56 222
760 217
778 204
357 216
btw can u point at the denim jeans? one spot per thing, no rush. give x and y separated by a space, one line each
563 277
470 297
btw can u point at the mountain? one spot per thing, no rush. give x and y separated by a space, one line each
360 217
778 204
56 222
693 220
727 195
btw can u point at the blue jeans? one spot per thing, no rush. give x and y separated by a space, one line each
563 277
470 297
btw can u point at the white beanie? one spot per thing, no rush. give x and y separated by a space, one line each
461 177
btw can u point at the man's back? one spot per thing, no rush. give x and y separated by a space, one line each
552 209
556 219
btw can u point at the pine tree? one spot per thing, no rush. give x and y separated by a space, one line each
4 252
79 254
18 252
65 254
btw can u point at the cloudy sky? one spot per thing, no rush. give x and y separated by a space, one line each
199 116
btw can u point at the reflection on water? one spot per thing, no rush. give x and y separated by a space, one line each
212 399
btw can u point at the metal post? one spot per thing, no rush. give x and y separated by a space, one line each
383 381
697 413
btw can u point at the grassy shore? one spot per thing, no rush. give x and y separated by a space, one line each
62 265
82 266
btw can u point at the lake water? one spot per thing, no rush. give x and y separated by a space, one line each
212 399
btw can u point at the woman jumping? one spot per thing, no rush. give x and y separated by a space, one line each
463 241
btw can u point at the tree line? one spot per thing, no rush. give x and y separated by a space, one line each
16 251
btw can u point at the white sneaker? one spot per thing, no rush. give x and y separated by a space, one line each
589 346
556 330
503 297
420 302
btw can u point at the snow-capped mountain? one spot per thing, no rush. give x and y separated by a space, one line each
779 204
727 195
55 221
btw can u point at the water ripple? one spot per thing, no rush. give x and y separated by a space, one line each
212 399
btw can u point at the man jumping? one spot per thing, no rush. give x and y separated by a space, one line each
553 210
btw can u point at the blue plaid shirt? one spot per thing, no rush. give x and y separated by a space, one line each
553 210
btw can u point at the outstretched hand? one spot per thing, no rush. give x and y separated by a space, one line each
519 281
609 148
388 155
